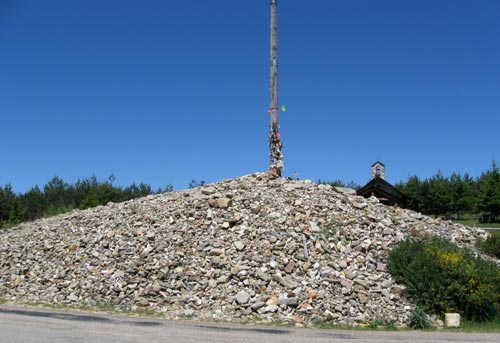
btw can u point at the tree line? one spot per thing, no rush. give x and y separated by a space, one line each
438 195
449 196
455 195
57 196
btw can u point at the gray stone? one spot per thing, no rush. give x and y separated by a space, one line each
262 275
346 191
189 312
242 297
270 308
118 274
276 235
239 245
359 205
386 283
209 190
284 300
238 268
314 227
258 305
285 281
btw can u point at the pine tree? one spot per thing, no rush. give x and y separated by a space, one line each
489 193
7 197
461 199
439 195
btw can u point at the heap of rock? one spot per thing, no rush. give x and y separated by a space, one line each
250 247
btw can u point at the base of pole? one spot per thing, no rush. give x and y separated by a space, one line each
275 171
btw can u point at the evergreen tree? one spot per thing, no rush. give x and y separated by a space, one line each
489 193
168 188
424 197
17 211
461 198
57 195
413 190
34 203
195 183
439 195
7 197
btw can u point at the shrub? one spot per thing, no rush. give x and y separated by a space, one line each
490 246
419 319
440 277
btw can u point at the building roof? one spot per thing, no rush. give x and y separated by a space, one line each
378 162
383 190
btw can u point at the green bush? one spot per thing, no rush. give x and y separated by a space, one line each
419 318
440 277
490 246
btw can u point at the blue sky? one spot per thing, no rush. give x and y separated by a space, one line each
169 91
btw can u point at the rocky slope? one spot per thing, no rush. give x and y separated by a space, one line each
255 246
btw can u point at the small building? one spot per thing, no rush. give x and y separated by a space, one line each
381 189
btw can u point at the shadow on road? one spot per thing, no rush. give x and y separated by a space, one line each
73 317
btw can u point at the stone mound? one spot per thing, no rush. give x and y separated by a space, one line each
246 248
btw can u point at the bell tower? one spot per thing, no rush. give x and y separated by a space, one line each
378 170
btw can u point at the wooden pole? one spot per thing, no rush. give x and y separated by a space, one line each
275 145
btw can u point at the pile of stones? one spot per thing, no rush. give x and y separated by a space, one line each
254 247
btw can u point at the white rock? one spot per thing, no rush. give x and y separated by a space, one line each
452 320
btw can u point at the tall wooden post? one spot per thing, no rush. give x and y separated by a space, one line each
276 157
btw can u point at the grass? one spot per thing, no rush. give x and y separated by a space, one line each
471 219
469 326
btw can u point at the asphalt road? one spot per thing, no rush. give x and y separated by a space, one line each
26 325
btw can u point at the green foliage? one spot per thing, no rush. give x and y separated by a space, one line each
489 195
455 195
413 189
17 211
36 202
168 188
472 220
439 195
486 326
461 193
58 197
7 197
440 277
419 319
490 246
56 193
194 183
